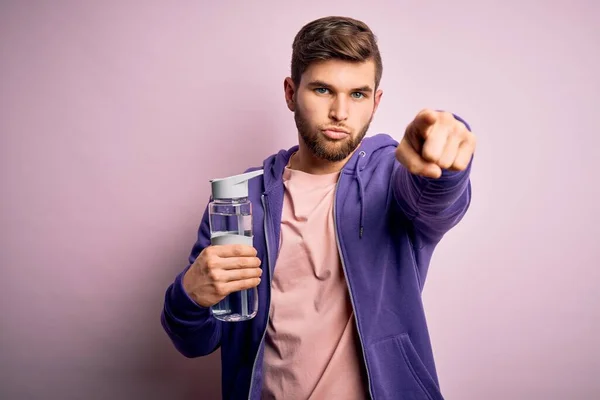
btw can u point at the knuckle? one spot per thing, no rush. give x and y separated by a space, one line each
413 167
237 250
444 163
214 275
456 132
447 115
459 166
209 250
463 134
426 111
429 156
210 262
220 290
472 138
206 256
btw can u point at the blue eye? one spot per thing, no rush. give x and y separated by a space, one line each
358 95
321 90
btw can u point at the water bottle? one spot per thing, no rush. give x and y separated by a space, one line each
230 220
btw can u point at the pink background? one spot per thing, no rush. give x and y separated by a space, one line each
114 115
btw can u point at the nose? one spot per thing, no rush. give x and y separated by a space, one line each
339 109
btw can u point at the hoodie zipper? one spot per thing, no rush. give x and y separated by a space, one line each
337 238
266 215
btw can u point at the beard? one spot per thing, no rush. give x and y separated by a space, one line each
324 148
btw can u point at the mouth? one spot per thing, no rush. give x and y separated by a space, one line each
335 133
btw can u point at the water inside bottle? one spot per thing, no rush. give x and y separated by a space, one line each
238 306
230 225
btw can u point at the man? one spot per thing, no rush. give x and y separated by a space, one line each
345 227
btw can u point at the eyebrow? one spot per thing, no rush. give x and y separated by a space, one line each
321 84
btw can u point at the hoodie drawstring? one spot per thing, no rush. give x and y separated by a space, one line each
361 192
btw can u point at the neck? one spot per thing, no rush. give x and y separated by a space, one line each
303 160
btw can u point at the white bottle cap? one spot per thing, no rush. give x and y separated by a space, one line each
233 187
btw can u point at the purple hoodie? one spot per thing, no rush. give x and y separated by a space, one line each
387 224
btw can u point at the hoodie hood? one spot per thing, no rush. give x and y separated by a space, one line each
365 154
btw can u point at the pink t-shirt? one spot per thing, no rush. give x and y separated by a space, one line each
311 347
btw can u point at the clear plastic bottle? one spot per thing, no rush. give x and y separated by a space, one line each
230 220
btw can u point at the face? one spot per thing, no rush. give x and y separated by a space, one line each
333 106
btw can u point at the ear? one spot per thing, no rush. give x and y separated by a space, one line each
378 95
289 89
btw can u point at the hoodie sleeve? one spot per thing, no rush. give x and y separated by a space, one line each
433 205
191 327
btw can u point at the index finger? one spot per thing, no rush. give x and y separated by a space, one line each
233 250
424 121
434 145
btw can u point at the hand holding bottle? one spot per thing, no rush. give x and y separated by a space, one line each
221 270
